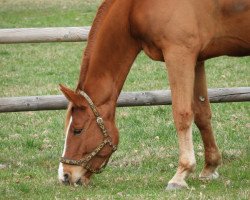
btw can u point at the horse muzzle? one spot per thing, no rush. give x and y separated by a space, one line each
72 175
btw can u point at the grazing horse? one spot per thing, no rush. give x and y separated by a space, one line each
183 34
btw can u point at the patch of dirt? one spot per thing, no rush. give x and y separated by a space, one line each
3 166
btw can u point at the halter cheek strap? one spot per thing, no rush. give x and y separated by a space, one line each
84 162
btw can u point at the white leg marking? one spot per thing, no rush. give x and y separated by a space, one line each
187 147
187 157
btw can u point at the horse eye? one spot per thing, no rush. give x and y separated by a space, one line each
77 131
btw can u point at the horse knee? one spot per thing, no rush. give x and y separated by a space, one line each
183 119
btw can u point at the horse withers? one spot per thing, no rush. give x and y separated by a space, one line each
183 34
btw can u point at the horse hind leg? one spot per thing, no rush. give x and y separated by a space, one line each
202 119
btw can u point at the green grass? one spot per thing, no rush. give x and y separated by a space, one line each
31 143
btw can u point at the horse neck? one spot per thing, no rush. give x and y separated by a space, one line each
110 59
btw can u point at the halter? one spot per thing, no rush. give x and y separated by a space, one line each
84 162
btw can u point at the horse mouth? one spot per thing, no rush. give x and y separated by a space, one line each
78 183
81 181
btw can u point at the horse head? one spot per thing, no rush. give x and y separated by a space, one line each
88 144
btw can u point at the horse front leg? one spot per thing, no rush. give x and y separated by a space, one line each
202 119
181 69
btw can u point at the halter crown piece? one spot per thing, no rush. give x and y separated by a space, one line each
84 162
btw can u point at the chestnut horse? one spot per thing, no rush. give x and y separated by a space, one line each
181 33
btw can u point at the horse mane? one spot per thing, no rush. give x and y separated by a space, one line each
100 16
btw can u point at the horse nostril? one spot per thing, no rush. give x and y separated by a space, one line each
66 177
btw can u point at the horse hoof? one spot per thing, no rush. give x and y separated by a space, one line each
176 186
207 177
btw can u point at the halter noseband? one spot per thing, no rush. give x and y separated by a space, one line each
84 162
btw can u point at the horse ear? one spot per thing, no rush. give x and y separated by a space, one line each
72 96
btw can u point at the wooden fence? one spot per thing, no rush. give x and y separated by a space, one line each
150 98
78 34
38 35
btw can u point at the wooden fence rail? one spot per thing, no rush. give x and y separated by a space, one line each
150 98
35 35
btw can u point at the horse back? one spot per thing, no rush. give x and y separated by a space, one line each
212 28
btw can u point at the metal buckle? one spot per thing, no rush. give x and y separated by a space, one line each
99 120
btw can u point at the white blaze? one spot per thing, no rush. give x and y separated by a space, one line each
60 169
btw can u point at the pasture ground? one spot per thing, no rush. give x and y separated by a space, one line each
31 142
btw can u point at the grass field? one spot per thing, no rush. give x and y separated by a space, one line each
31 142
